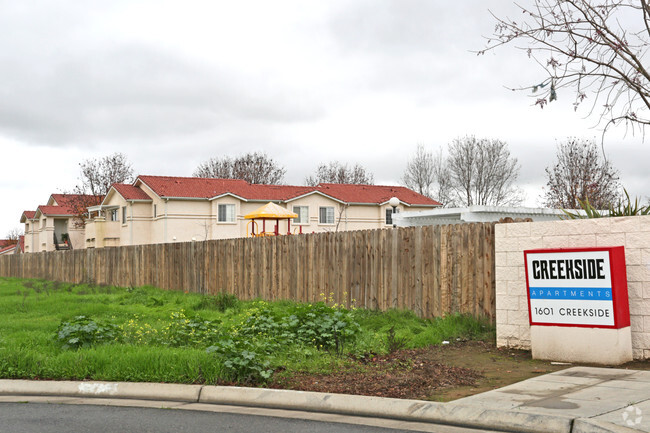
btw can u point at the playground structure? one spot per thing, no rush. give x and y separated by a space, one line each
273 212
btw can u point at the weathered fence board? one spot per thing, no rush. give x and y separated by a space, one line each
432 271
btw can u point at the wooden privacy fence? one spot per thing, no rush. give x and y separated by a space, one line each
432 270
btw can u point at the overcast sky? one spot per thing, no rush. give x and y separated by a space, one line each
172 83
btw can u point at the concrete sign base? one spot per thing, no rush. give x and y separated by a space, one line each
583 345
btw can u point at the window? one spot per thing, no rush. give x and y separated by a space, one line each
226 213
26 228
123 214
326 215
389 215
155 208
113 215
303 214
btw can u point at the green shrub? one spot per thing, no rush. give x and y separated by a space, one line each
327 328
317 325
261 321
242 361
183 331
83 331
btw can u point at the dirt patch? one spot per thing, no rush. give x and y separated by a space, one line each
439 373
403 374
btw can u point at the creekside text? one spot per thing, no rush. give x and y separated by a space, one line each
569 269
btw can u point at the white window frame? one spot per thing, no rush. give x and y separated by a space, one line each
303 215
112 215
391 213
229 210
123 215
328 214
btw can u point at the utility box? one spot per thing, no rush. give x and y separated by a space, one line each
578 305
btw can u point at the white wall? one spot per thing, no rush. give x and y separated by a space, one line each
513 329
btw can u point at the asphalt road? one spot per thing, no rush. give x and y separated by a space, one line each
77 418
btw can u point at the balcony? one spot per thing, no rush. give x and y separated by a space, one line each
101 233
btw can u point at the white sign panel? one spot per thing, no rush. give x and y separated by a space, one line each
570 288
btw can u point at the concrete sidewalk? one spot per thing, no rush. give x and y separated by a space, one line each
579 399
602 398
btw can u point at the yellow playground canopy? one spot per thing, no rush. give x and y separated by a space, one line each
269 211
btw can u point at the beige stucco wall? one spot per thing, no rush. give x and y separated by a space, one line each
39 234
45 234
633 233
353 217
77 235
181 220
31 236
90 232
138 229
314 202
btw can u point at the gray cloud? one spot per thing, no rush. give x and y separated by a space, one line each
62 86
425 49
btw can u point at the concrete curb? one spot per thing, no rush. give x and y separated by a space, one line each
132 390
411 410
586 425
380 407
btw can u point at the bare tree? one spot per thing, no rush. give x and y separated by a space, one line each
255 167
336 172
419 174
427 174
218 168
595 47
13 236
482 172
96 177
443 188
581 173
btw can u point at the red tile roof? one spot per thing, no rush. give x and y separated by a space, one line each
71 199
198 187
195 187
275 192
7 248
130 192
6 242
56 210
375 194
29 214
69 204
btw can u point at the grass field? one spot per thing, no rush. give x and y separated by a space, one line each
51 330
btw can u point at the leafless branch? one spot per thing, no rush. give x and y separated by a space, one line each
581 173
481 172
596 47
336 172
255 167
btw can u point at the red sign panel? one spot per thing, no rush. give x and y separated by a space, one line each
583 287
